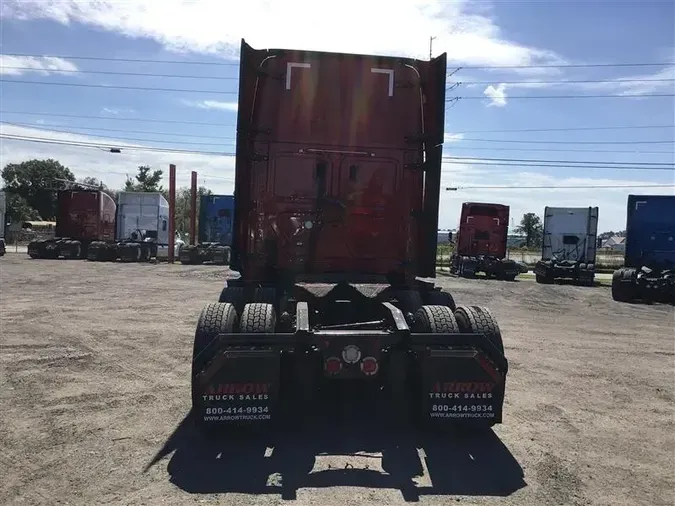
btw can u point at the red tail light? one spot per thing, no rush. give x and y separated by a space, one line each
369 366
333 365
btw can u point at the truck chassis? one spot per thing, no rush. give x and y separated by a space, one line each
547 271
631 284
258 344
492 267
212 252
58 247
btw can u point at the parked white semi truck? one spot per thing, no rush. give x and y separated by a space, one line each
569 245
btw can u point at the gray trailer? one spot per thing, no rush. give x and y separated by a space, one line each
142 229
569 245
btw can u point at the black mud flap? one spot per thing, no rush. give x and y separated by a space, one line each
462 385
240 387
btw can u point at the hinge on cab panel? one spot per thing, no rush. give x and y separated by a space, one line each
257 157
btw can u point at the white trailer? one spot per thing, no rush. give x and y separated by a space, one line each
569 245
3 219
141 229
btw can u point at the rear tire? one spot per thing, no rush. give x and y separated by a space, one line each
258 317
623 289
215 319
409 301
479 320
435 320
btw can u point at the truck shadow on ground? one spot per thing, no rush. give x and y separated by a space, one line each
291 458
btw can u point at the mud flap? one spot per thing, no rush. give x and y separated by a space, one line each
461 386
240 387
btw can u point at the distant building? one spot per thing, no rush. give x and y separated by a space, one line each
615 243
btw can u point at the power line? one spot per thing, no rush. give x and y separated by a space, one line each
235 78
562 166
118 87
111 73
566 142
127 60
99 145
219 137
570 65
581 81
144 120
558 150
190 90
556 187
220 63
525 160
176 134
208 123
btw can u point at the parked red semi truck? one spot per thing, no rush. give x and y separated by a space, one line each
480 243
338 166
83 216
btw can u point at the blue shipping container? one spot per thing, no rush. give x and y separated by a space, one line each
215 219
650 231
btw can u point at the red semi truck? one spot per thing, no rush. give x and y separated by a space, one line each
83 216
338 170
480 243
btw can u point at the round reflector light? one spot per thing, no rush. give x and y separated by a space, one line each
369 366
351 354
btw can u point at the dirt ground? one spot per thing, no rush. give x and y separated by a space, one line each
95 362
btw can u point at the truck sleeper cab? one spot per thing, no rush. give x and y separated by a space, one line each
337 183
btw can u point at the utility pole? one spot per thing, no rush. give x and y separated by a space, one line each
431 41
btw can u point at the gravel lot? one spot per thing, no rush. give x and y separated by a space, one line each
94 390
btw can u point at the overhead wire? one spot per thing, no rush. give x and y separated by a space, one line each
233 63
221 92
522 163
209 123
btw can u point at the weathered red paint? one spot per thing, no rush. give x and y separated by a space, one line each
85 215
483 229
323 141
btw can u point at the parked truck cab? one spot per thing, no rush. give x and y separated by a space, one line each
480 243
337 184
648 273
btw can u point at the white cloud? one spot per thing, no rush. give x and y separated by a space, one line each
116 111
217 172
466 31
637 84
448 137
19 65
496 95
211 104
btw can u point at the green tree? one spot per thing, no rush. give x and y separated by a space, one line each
35 181
532 228
146 181
183 207
18 210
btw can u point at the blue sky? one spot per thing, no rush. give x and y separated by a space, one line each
472 33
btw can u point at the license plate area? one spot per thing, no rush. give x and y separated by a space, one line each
240 387
461 385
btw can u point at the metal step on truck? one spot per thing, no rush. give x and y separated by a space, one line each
214 232
141 230
481 243
337 182
648 274
83 217
569 245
